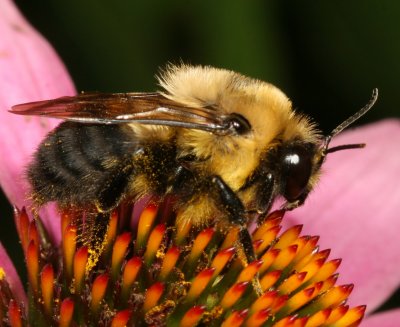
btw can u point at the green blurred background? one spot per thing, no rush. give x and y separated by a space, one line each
326 55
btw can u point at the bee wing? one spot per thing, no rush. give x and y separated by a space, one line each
115 108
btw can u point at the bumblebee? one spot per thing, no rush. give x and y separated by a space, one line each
224 145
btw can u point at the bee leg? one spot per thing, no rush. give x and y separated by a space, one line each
98 233
113 188
180 180
236 215
247 244
295 204
108 196
265 197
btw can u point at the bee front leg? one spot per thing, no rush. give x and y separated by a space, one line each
236 215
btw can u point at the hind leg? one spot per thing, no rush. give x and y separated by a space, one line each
113 188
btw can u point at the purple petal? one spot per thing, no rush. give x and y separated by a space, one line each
11 275
355 209
389 318
29 70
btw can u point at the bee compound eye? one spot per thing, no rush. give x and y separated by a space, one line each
238 123
296 171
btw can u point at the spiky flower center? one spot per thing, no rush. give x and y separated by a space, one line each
157 274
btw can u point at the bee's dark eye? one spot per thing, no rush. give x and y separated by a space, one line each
296 170
238 123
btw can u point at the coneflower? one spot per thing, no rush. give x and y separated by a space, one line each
156 274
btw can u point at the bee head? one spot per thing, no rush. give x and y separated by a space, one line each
300 161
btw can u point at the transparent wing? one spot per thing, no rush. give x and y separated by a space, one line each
114 108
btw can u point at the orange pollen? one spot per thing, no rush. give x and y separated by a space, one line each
279 303
182 230
47 287
192 316
299 299
14 314
66 220
169 262
258 318
146 221
221 259
327 270
230 238
268 259
319 318
273 220
66 312
199 283
269 279
22 222
264 301
235 319
33 232
154 243
118 254
200 243
288 237
250 271
352 317
69 248
233 294
130 273
337 313
80 260
111 230
99 288
32 264
153 294
121 318
292 283
268 237
335 296
285 256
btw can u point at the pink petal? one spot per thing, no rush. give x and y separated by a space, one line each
389 318
11 275
29 70
355 209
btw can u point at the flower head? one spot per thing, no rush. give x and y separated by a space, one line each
162 274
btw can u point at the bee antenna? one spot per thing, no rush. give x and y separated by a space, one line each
345 124
345 147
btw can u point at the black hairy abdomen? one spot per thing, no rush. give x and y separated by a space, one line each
76 161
